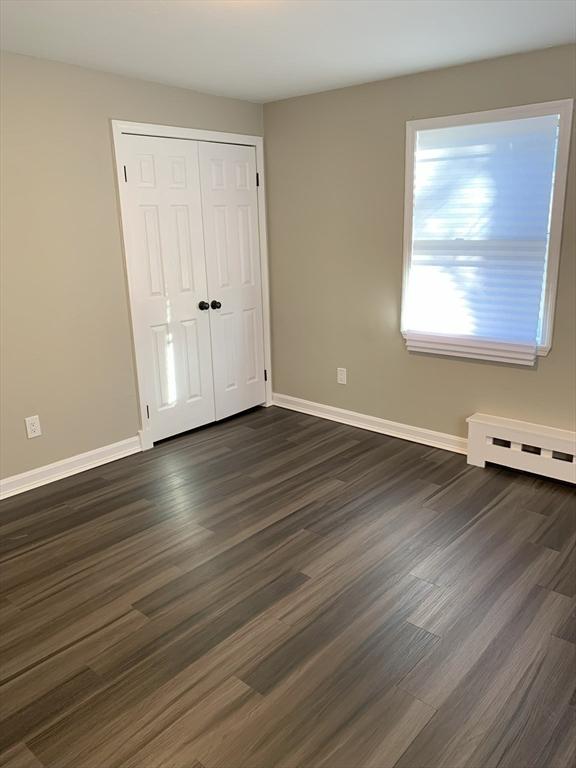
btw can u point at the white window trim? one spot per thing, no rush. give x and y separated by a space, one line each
563 108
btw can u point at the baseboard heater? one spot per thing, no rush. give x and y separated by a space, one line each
521 445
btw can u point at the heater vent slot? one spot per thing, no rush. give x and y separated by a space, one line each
534 449
563 456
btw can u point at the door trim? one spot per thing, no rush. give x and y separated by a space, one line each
122 127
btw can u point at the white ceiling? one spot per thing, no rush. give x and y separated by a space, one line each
264 50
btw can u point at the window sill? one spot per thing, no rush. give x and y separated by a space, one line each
473 348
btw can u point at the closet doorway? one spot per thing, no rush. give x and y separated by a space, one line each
193 222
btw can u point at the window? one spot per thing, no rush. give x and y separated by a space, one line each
483 220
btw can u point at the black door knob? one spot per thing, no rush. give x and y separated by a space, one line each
203 305
215 304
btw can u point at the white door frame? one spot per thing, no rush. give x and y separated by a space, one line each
120 127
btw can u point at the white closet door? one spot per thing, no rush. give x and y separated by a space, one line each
230 210
167 276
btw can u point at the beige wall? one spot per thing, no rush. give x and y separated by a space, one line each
335 179
66 343
335 182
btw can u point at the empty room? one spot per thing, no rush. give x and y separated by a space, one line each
288 384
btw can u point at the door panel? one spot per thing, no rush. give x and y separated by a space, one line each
192 352
167 275
230 210
153 249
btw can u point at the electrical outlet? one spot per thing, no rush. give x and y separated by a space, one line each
33 428
341 375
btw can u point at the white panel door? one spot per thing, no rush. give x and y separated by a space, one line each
230 210
167 275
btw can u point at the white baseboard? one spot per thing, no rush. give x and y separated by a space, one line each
374 424
49 473
34 478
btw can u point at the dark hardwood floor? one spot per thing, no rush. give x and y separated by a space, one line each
280 591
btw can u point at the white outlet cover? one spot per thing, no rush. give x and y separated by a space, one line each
341 375
33 428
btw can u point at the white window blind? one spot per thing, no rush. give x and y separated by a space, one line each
477 277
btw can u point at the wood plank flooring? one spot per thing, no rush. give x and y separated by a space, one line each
280 591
